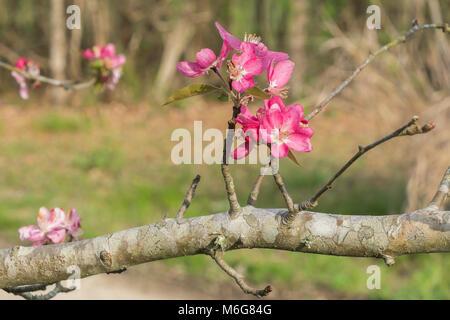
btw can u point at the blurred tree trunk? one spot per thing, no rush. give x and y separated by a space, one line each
297 41
58 49
100 23
175 43
75 48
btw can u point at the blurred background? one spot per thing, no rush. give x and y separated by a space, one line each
108 154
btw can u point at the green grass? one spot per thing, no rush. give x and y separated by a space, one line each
55 122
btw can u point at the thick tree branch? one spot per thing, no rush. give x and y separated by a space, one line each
323 104
64 84
332 234
411 128
187 200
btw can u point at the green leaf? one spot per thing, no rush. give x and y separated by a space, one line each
293 158
224 97
258 93
190 91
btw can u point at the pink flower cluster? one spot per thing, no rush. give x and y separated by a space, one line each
30 67
107 63
53 226
250 59
282 127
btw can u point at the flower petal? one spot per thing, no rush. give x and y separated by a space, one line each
274 102
57 236
190 69
21 63
27 232
299 142
108 51
243 84
291 120
224 52
56 219
89 54
282 72
298 108
242 150
253 67
205 58
228 37
279 150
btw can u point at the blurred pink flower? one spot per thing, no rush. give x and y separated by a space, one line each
49 228
244 67
111 62
278 76
30 67
72 223
52 227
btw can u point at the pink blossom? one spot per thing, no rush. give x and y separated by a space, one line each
49 228
205 60
250 125
278 76
52 227
281 126
72 223
261 50
244 67
30 67
284 128
111 62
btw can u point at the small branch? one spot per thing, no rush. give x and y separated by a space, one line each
19 291
290 215
54 82
411 128
239 279
253 196
235 208
26 288
443 191
187 200
322 105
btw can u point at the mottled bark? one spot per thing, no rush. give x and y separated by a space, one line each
422 231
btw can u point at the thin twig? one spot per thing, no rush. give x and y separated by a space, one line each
290 215
411 128
235 208
59 288
27 288
189 195
227 84
443 191
253 196
64 84
322 105
238 278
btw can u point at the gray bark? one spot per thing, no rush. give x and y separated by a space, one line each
422 231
